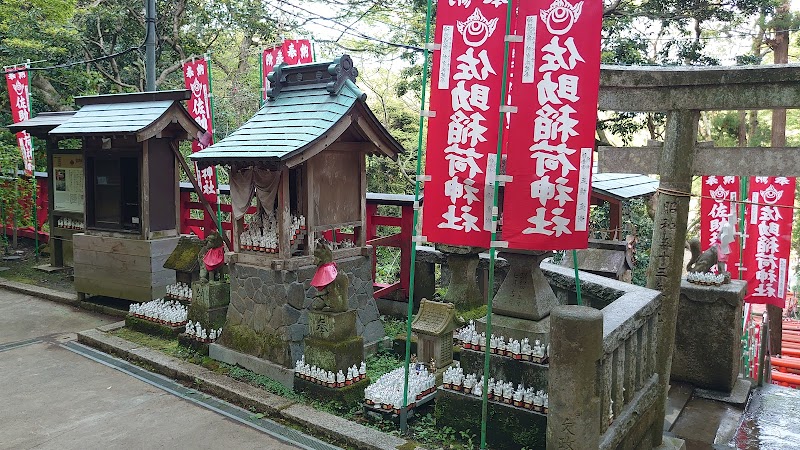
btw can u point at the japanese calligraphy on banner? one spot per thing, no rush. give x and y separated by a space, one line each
551 142
196 77
769 235
17 82
292 51
462 135
719 218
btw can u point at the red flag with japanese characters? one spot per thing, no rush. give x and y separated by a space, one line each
292 51
769 239
196 77
17 82
556 78
463 126
719 219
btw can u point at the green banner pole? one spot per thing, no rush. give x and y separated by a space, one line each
410 311
33 175
577 277
213 127
492 247
261 76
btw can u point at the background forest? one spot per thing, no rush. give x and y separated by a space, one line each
85 47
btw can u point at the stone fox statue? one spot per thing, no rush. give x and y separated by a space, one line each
211 258
331 283
701 262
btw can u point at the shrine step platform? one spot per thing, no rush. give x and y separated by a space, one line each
506 368
347 396
509 427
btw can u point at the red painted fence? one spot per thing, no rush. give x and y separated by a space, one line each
25 205
190 224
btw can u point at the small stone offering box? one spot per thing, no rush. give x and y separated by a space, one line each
434 327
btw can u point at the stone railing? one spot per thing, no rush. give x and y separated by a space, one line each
603 384
628 367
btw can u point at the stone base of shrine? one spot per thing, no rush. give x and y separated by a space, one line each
516 328
334 355
508 428
348 396
210 303
271 306
260 366
708 345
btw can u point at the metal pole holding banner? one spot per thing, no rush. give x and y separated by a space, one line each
213 127
410 311
495 220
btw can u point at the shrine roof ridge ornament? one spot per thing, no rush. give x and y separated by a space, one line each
332 74
310 108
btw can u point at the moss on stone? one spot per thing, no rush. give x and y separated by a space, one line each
334 356
509 428
198 312
152 328
264 345
184 257
347 397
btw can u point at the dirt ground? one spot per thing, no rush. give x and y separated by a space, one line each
24 270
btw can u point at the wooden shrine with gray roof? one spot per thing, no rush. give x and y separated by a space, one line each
298 174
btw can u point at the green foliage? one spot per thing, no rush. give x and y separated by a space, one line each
262 381
473 314
393 326
382 363
640 220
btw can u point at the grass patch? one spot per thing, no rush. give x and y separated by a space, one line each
381 363
422 429
393 326
24 269
168 346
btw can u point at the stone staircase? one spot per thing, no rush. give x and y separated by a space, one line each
765 418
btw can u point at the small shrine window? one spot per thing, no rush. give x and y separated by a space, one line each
113 193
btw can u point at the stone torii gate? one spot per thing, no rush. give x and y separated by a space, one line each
681 93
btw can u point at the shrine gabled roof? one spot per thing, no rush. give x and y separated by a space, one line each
308 108
434 318
40 125
142 114
623 186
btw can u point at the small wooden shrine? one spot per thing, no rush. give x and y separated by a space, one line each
298 170
65 187
129 149
434 325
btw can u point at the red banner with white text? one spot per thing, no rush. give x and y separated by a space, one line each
196 77
18 93
463 127
719 219
769 238
292 51
551 143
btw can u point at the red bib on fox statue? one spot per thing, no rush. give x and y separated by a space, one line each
214 259
324 275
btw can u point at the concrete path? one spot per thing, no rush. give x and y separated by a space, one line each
54 398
